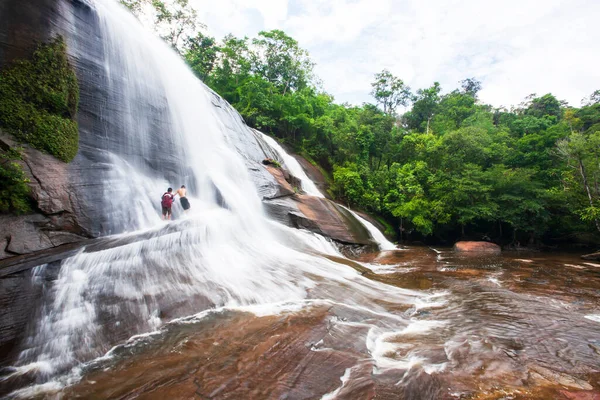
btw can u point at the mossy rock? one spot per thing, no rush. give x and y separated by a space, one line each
14 191
39 99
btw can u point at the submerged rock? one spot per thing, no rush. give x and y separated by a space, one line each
481 247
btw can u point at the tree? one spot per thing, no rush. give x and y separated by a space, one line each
176 21
582 153
544 106
280 60
593 99
173 20
470 86
390 91
425 104
201 54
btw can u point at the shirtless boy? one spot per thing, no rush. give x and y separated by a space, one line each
181 192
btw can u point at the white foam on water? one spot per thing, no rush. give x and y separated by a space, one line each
593 317
38 390
385 347
495 281
574 266
380 239
436 300
344 378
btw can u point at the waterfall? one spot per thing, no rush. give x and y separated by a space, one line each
293 166
310 188
225 253
376 234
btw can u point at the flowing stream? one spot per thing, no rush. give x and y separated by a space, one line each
225 303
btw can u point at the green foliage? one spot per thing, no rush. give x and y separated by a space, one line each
14 192
201 54
39 99
390 91
176 21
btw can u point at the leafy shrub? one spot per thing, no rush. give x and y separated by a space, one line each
14 192
39 99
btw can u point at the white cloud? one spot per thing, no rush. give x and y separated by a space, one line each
516 47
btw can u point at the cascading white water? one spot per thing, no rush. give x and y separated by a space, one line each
294 167
376 234
215 257
310 188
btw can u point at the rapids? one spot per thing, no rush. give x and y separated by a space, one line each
225 303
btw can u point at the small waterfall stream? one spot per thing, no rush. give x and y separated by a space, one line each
293 166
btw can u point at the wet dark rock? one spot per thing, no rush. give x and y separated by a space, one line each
321 216
17 296
285 188
479 247
56 221
24 234
592 256
272 162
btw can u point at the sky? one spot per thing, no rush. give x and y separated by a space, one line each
514 47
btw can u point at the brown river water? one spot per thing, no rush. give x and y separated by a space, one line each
514 326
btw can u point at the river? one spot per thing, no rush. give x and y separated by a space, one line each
514 326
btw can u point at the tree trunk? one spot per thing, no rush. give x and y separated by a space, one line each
587 189
401 229
285 88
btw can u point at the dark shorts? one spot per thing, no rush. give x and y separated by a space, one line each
185 203
166 210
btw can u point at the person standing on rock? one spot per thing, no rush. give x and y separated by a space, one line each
183 199
167 203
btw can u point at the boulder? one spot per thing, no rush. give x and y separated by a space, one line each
49 182
285 188
321 216
25 235
592 257
478 247
55 222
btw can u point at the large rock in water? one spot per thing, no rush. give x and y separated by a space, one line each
477 247
321 216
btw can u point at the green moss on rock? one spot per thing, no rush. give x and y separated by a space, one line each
39 99
14 192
